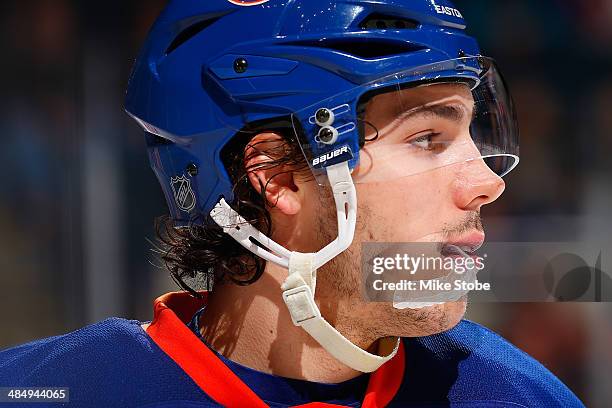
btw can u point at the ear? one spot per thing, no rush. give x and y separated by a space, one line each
260 156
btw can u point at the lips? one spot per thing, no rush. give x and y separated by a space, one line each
464 245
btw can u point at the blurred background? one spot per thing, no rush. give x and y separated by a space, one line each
77 197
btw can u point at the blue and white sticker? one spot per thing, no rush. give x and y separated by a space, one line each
332 157
446 10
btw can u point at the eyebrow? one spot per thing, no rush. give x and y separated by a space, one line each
454 112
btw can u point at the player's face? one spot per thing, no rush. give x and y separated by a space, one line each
432 189
419 203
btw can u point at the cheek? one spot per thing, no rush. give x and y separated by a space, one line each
405 209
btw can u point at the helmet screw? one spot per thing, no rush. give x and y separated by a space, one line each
192 169
240 65
328 135
324 117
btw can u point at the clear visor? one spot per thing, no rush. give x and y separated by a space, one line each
455 112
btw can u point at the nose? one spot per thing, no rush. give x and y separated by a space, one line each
476 185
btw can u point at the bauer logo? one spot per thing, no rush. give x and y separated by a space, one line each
336 156
248 2
183 193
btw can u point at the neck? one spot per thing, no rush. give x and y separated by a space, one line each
251 326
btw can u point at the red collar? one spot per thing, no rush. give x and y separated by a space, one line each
169 331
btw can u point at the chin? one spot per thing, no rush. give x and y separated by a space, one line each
455 312
429 320
445 316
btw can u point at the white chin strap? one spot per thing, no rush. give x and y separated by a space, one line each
299 287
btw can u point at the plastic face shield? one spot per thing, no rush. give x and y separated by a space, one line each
413 122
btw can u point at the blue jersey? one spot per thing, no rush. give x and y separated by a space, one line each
115 363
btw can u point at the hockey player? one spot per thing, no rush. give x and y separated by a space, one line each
285 135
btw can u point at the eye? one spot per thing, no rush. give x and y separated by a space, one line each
425 142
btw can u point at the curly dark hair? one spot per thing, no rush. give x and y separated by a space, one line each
201 254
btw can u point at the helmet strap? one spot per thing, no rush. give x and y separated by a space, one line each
299 287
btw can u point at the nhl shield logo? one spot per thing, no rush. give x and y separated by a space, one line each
183 194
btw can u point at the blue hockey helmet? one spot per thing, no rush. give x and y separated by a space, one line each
210 68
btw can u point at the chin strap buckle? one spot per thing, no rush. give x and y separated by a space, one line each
301 305
298 294
298 288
